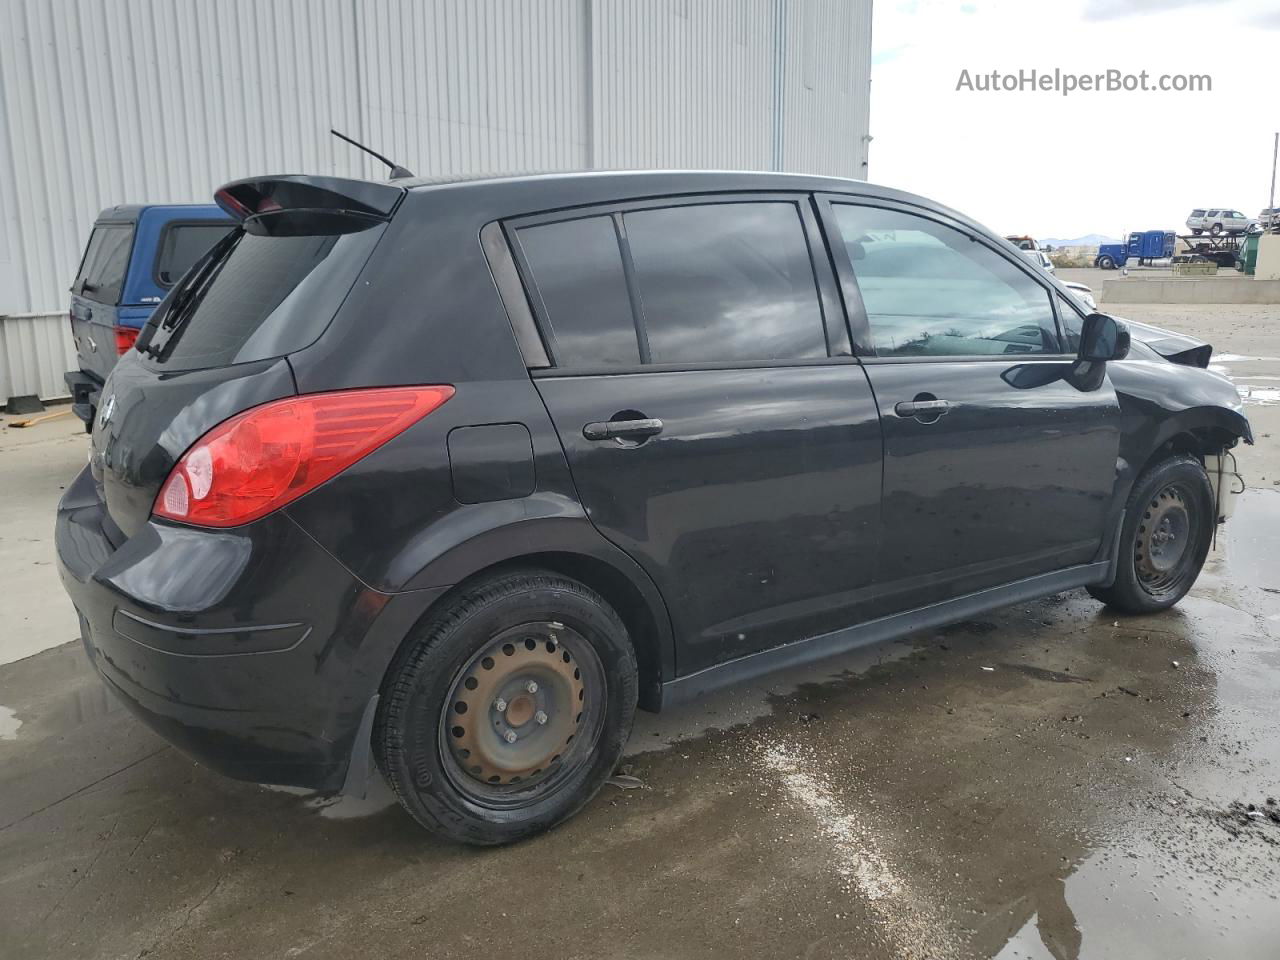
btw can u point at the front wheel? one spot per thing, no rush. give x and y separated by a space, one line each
507 711
1216 229
1168 523
1106 263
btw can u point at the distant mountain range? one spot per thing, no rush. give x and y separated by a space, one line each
1088 240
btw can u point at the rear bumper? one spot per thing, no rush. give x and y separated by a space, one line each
250 649
85 389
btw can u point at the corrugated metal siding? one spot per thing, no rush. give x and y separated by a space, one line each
112 101
35 350
827 88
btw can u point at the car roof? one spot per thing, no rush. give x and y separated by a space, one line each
621 184
516 194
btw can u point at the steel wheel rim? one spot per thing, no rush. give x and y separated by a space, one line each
523 715
1167 540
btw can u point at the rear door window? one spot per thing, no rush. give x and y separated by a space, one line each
259 297
106 259
726 282
577 271
181 245
931 290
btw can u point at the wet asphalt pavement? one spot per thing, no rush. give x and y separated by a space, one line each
1050 781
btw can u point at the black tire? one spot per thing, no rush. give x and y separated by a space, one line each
1216 229
1173 500
551 628
1197 231
1106 263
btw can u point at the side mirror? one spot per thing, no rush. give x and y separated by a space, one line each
1102 338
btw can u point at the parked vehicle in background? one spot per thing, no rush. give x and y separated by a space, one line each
1143 246
1196 220
1041 259
1269 218
1218 221
1082 293
453 475
1024 243
135 254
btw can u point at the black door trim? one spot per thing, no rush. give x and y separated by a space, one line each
684 689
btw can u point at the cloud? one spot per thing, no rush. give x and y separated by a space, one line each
1116 9
1267 21
880 57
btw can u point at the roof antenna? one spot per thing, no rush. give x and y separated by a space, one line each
397 172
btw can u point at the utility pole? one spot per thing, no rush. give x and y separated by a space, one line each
1274 151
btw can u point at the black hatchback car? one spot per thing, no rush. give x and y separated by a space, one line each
447 476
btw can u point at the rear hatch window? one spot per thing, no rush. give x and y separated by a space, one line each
106 259
254 297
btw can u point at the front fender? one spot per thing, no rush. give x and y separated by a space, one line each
1160 402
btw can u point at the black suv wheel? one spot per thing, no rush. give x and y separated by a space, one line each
1168 524
507 710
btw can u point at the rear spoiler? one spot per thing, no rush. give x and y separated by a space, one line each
296 204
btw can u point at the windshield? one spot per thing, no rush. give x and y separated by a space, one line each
255 297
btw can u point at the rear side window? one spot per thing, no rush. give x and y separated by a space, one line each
182 244
726 282
106 259
577 268
259 297
930 290
1197 213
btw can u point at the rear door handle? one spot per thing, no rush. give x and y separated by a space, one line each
622 429
922 408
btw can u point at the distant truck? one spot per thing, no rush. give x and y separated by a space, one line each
1143 246
134 255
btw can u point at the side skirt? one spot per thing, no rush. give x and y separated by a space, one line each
684 689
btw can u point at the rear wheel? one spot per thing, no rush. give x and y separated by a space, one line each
1167 528
507 711
1216 229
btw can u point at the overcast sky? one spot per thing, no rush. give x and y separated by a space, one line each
1054 166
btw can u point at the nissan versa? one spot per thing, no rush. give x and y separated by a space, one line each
449 476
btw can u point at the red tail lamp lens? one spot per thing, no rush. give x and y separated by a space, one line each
264 458
126 337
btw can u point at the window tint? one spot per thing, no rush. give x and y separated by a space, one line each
105 261
1197 213
260 297
726 282
929 290
577 268
182 244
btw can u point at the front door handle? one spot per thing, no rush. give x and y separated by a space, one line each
622 429
924 410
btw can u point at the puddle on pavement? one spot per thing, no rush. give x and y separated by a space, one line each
9 724
1250 393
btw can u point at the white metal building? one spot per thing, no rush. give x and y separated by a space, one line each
137 101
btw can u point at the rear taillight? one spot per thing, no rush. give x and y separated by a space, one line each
126 337
266 457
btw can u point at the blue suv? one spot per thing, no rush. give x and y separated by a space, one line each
134 256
